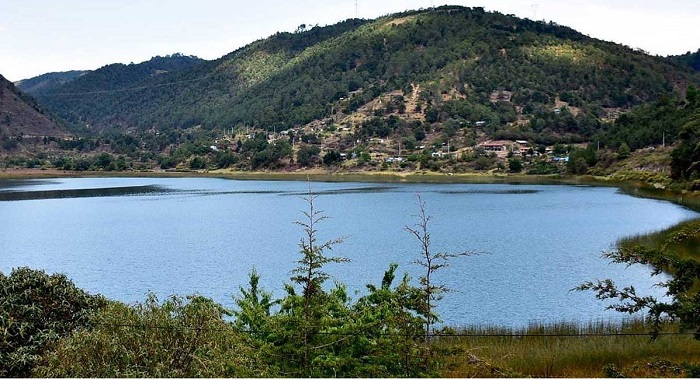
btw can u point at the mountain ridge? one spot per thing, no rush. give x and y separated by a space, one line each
291 79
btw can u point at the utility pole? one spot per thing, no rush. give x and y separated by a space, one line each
356 10
534 11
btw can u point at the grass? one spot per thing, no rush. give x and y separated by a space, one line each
590 350
532 351
683 240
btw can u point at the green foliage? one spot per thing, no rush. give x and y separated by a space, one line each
254 306
266 155
431 262
176 338
581 159
543 168
321 332
308 155
458 57
691 60
515 165
651 124
36 311
685 163
309 310
624 151
331 157
198 163
393 334
670 256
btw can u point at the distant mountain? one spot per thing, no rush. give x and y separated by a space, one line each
47 82
113 76
461 70
20 116
688 59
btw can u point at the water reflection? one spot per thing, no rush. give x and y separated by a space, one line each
75 193
11 184
490 192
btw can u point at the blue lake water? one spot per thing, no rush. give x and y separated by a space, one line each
123 237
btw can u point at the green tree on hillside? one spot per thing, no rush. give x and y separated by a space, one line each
685 158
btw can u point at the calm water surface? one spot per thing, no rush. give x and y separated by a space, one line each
123 237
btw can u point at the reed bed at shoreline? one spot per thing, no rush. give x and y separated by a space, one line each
564 349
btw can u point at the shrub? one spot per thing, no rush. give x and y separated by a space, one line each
36 310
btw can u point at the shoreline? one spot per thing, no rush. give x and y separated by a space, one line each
635 188
313 174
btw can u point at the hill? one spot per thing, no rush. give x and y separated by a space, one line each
451 63
430 87
110 77
21 117
689 59
46 82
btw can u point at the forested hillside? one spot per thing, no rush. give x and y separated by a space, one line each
526 79
449 89
688 59
46 82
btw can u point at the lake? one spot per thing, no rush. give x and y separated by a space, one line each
124 237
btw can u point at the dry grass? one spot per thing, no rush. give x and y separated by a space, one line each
578 354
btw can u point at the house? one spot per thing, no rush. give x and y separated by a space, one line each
494 146
480 123
500 148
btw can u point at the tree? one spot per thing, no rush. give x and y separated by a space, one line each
430 291
254 306
515 165
580 160
624 151
681 288
389 321
431 262
331 157
307 155
685 158
310 276
198 163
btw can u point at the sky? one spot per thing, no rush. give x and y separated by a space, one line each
40 36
